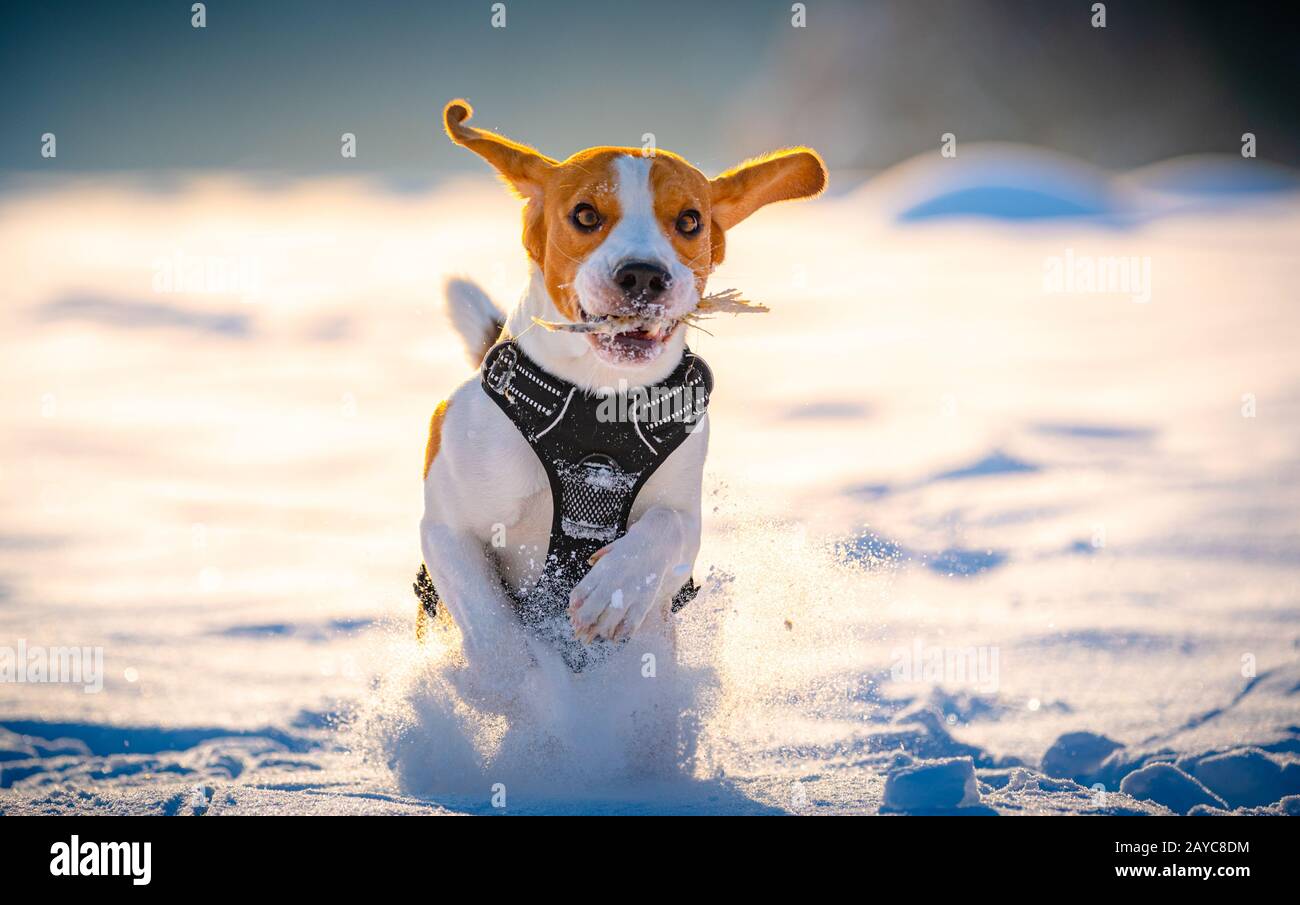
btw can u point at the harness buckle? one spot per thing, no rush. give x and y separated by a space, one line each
502 369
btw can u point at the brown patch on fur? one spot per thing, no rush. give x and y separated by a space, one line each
585 178
435 435
779 176
521 166
677 187
524 169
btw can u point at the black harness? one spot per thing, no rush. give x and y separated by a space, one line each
598 451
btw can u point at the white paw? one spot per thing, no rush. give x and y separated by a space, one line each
615 596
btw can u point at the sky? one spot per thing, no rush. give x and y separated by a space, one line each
271 86
274 85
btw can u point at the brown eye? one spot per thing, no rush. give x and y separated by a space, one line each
585 217
688 223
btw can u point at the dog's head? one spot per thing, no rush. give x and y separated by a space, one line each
618 232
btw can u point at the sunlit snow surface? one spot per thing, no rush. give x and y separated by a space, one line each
923 446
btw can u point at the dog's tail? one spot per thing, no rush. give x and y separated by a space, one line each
476 318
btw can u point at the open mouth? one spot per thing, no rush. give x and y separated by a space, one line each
628 339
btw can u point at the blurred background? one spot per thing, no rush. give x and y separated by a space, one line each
1028 384
270 86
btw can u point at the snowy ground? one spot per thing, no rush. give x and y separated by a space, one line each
926 449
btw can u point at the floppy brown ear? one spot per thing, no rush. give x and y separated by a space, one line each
779 176
519 165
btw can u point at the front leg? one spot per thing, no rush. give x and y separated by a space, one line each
469 586
479 472
629 575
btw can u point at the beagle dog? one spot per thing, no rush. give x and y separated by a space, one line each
618 237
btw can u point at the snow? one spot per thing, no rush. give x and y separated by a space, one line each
586 530
1167 785
952 515
1078 755
1246 777
1287 807
936 785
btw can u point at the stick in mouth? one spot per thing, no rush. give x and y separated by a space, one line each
728 301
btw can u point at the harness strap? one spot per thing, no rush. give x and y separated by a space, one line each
598 450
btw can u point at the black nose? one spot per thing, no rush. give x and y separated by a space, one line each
641 280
